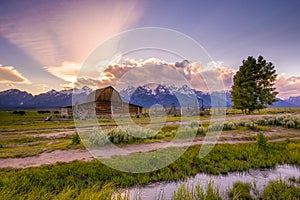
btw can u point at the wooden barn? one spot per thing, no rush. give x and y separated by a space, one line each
105 102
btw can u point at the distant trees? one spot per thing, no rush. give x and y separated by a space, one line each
253 85
43 111
19 112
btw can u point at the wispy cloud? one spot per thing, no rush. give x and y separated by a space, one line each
8 74
67 71
56 31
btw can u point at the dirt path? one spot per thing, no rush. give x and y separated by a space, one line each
46 158
53 135
84 155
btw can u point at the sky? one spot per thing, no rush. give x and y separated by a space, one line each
44 43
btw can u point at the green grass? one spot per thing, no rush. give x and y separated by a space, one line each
21 144
240 191
31 120
37 148
197 193
35 121
78 179
79 176
281 190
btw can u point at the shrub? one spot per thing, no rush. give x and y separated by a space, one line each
279 120
229 126
18 112
170 133
262 141
159 136
187 132
76 139
98 138
262 122
297 124
241 123
215 127
251 125
201 131
290 124
194 124
1 146
118 135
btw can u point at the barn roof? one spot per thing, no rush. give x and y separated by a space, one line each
104 94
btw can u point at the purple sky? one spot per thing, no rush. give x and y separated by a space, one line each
42 41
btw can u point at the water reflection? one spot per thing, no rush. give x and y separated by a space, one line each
224 182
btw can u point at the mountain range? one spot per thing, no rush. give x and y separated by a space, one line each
145 96
16 99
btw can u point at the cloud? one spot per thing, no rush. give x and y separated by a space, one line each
226 75
136 72
67 71
8 74
55 31
210 78
66 86
288 86
42 86
90 82
10 85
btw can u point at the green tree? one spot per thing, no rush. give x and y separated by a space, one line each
253 85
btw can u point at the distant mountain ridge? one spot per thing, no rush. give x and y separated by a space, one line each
146 96
16 99
167 95
294 100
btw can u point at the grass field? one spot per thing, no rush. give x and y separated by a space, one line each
30 135
80 176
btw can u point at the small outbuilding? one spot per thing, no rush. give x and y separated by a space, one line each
66 111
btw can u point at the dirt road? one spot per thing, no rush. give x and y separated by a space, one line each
84 155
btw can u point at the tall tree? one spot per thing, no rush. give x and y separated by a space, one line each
253 85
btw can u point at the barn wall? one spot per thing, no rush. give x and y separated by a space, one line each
108 103
103 109
134 110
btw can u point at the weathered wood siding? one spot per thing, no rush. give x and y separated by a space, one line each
105 102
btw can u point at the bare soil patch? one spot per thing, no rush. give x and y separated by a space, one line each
46 158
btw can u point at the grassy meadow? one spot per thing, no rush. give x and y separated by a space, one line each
269 139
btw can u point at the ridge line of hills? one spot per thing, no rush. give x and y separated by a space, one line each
145 96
